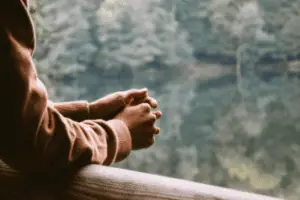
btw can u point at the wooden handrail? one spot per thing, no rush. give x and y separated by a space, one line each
107 183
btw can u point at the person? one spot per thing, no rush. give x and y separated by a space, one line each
40 136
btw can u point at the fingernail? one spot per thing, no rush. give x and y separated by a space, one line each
158 131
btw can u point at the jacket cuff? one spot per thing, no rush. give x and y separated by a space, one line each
122 141
75 110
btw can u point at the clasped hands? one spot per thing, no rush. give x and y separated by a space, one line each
136 109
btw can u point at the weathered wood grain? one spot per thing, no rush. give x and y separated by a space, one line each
107 183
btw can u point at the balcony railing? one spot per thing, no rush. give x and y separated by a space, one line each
107 183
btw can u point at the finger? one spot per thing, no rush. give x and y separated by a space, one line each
158 114
145 142
145 107
136 101
133 95
153 130
119 98
157 131
150 140
153 103
152 119
137 93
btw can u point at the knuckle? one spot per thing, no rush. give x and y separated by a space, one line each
146 107
152 100
153 130
152 118
119 95
149 98
146 100
158 114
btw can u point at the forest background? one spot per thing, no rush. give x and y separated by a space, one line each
225 73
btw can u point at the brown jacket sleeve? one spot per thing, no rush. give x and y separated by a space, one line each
75 110
34 136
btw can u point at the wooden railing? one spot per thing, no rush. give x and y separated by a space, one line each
106 183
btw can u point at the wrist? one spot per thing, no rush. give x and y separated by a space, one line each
95 109
106 108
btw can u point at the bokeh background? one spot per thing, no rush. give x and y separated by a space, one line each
225 73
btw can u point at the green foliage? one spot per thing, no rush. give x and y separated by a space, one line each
134 34
55 56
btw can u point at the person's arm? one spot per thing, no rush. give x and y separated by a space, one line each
106 107
75 110
34 136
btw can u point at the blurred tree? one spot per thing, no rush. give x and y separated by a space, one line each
214 132
142 41
58 54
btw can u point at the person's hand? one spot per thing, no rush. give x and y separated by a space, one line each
109 106
140 119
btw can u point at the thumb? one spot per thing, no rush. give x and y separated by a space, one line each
138 93
133 94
